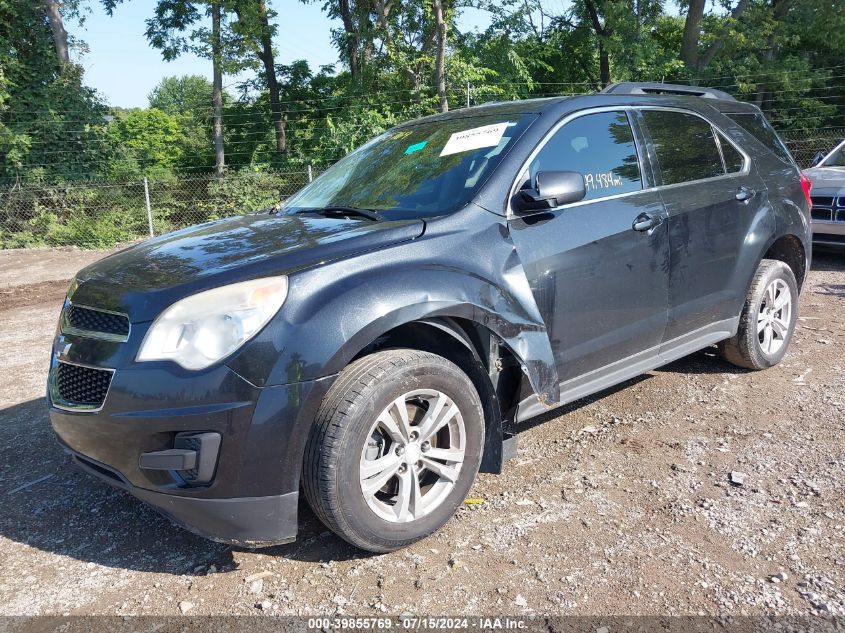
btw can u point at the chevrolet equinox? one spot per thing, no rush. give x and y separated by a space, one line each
375 341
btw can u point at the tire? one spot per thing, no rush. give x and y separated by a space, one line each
750 348
360 421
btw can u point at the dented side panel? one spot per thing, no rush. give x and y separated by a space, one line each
464 266
601 287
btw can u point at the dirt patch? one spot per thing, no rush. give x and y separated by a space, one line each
33 294
23 267
618 504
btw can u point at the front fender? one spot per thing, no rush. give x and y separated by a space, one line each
334 311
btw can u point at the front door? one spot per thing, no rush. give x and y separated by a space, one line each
600 283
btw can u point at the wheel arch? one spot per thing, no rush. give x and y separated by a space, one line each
332 314
485 358
789 249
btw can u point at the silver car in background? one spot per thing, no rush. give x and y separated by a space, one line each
828 195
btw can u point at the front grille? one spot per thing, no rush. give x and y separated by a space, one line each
97 323
828 208
80 387
822 201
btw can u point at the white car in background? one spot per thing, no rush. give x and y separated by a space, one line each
828 194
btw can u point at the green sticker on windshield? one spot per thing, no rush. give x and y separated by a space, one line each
416 147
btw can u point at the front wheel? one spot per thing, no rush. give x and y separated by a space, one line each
768 318
395 448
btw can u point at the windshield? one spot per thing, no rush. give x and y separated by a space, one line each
836 159
431 168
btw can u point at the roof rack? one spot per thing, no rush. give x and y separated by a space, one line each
655 88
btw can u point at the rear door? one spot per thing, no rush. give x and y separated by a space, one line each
711 193
600 283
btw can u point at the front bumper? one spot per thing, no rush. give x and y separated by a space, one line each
252 498
244 521
828 233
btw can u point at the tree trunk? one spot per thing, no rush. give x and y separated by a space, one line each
440 63
604 66
764 98
383 9
602 32
353 39
382 13
692 33
54 17
638 27
719 42
217 89
268 59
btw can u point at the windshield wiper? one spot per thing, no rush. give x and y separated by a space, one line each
340 211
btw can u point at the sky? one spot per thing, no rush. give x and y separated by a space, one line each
121 65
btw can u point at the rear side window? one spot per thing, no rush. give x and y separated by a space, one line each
684 145
734 161
600 147
759 128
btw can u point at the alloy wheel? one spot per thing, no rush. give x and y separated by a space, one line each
774 316
413 456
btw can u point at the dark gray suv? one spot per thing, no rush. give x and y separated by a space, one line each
371 342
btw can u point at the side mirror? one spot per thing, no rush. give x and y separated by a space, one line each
552 189
817 159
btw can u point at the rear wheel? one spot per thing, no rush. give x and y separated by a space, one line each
768 318
395 449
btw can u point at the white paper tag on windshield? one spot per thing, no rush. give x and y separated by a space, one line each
476 138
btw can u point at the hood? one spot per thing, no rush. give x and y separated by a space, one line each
146 278
827 178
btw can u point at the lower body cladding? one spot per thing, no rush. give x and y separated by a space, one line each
213 452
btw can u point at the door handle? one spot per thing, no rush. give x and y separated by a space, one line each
744 194
646 222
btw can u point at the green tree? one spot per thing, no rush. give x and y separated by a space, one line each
695 59
188 100
51 125
177 27
776 51
150 140
182 95
356 40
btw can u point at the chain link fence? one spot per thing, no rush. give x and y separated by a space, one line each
805 145
105 214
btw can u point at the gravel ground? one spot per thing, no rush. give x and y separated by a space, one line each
618 504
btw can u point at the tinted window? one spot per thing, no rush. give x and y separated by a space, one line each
600 147
424 169
733 159
757 125
685 146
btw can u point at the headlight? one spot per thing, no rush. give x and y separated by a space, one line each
199 330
